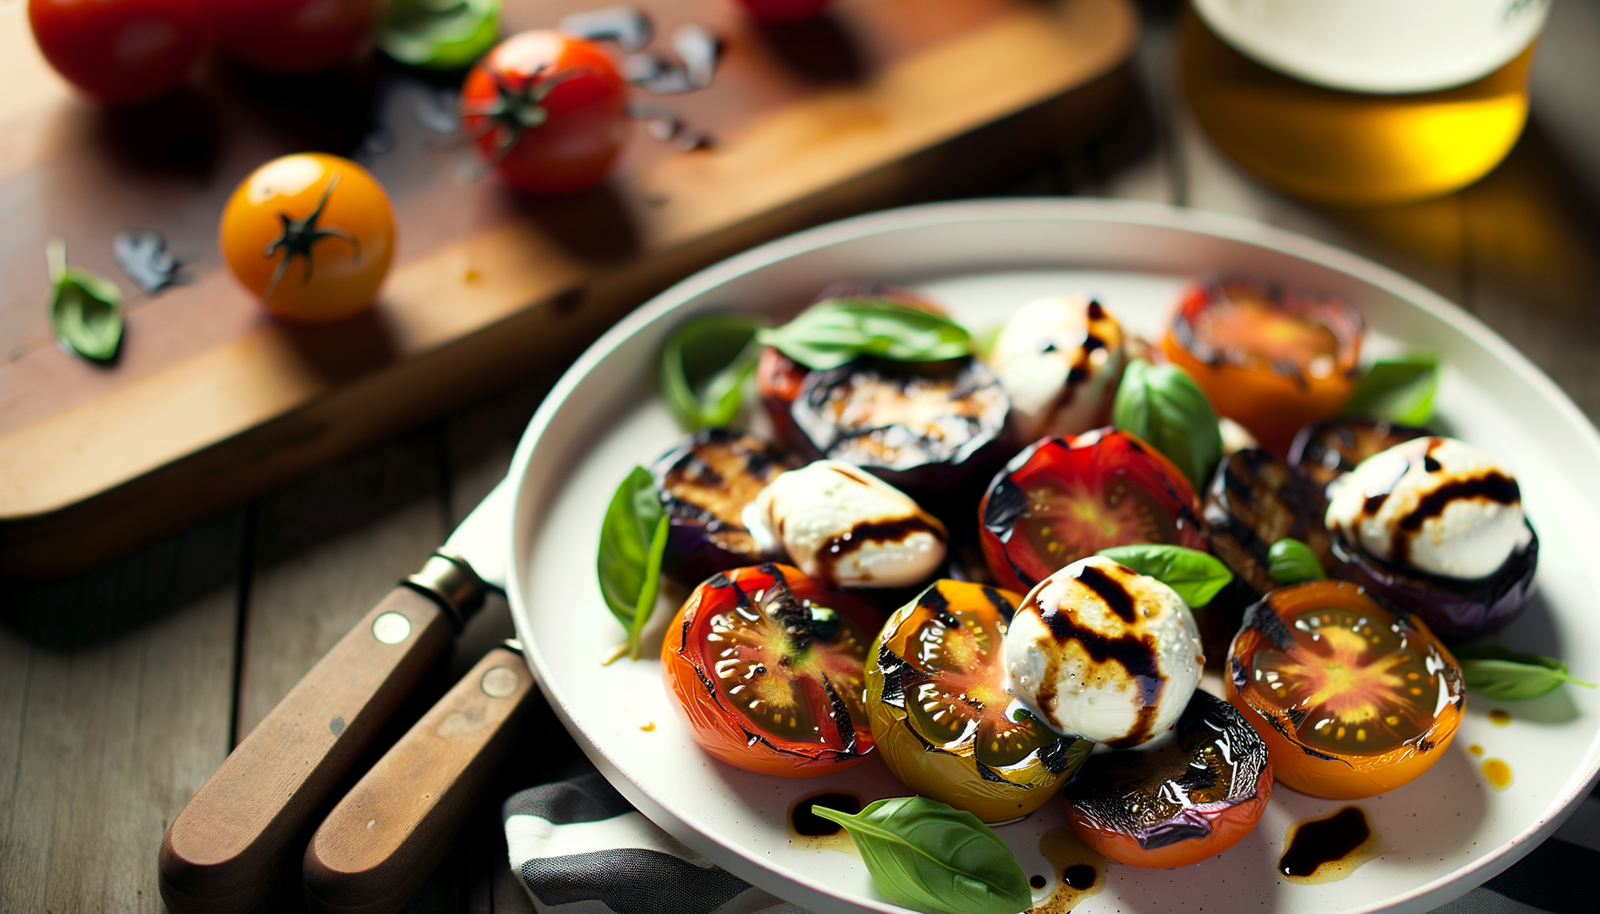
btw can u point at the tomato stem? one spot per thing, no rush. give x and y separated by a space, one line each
301 235
519 107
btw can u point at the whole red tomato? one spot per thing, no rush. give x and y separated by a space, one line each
784 10
549 110
121 51
293 36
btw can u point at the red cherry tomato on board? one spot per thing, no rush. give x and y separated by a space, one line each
293 36
549 110
769 668
784 10
121 51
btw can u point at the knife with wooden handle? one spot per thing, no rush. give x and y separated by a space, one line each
223 851
392 829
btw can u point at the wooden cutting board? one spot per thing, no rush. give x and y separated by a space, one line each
212 400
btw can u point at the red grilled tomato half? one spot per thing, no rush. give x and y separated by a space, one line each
121 51
1351 699
768 665
548 110
1066 498
941 716
1268 359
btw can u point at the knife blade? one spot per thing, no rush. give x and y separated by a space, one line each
222 851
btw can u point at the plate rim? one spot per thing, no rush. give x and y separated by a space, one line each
1086 210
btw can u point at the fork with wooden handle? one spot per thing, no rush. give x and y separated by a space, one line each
223 851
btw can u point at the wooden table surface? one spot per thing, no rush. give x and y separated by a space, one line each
123 688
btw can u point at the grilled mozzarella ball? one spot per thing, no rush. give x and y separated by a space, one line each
1060 360
1101 651
1434 504
847 527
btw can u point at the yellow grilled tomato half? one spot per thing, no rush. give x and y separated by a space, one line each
941 717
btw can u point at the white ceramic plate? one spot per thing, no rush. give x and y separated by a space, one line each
1443 834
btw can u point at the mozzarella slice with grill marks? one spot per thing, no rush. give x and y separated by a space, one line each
1438 505
1101 651
1060 360
845 526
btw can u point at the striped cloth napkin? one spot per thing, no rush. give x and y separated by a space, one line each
580 848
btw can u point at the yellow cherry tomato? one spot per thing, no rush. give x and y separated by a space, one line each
310 235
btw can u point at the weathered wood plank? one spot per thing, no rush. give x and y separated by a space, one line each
116 689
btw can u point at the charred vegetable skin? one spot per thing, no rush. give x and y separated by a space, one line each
1456 609
1323 451
1254 501
1066 498
1191 798
926 428
768 668
1351 699
705 484
941 717
1268 359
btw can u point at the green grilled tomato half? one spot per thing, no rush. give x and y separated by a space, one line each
941 717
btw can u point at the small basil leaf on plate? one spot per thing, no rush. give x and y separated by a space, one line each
930 856
1290 561
85 309
633 539
438 34
1166 409
704 365
1508 675
1397 389
834 332
1196 576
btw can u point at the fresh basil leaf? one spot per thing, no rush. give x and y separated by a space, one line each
85 309
1507 675
930 856
1166 408
1290 561
633 539
1397 389
834 332
1196 576
704 365
438 34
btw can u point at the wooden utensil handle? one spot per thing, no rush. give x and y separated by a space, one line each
392 828
223 850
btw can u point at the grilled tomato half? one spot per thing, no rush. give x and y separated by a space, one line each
1268 359
768 667
1066 498
941 716
1351 699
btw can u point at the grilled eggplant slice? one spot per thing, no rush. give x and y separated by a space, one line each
705 484
1328 449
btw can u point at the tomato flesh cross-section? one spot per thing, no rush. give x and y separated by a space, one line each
767 667
1351 699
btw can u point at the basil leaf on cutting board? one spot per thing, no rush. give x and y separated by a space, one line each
438 34
704 365
1508 675
1166 409
85 309
1197 576
1290 561
1400 390
633 539
930 856
834 332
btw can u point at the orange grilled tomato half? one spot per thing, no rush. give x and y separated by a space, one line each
1268 359
548 110
941 716
1066 498
1351 699
310 235
768 665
